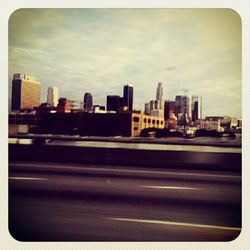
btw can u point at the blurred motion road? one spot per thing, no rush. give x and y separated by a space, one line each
52 201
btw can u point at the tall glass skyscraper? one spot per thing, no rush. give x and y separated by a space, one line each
25 92
128 96
196 108
87 101
182 105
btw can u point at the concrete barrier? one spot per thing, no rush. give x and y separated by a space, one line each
130 157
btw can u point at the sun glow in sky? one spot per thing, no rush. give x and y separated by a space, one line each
100 50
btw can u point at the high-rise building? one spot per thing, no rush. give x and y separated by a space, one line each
25 92
114 102
52 96
128 96
196 108
169 109
156 107
182 106
159 95
64 105
147 109
159 103
87 101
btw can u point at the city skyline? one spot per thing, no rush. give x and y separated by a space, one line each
198 50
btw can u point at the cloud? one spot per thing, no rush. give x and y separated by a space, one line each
99 50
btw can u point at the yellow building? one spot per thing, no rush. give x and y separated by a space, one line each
25 92
141 121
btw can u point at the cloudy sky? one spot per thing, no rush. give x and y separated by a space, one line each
100 50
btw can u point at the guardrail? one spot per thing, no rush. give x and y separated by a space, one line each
127 156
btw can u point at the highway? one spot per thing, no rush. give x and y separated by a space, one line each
52 201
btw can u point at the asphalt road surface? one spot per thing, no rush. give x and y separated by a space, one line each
82 202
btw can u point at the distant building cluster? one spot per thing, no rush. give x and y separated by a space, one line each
116 103
156 107
182 114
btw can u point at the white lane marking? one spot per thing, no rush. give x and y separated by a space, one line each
171 187
129 171
27 178
172 223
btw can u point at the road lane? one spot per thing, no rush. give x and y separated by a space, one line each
104 170
80 205
120 184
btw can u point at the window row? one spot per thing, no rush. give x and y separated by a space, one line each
137 119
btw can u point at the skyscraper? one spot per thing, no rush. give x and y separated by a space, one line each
87 101
169 109
156 107
114 102
52 96
196 108
128 96
25 92
182 105
159 91
159 95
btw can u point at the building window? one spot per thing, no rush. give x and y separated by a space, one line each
149 120
153 121
145 120
135 128
157 122
161 122
136 119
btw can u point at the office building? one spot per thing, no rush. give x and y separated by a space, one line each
64 105
154 104
211 125
147 109
25 92
169 109
157 112
159 95
75 105
182 106
156 107
128 97
87 102
99 109
114 103
196 108
159 91
52 96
